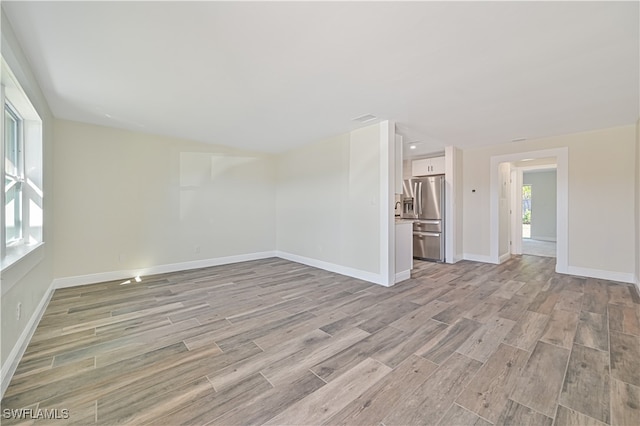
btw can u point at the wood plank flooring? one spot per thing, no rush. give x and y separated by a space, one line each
275 342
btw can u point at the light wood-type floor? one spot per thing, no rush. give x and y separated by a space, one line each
279 343
539 247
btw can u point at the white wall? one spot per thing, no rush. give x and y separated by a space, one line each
543 203
601 187
131 201
30 278
137 203
638 203
459 207
329 202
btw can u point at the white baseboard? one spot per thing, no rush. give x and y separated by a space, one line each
332 267
159 269
477 258
571 270
504 258
11 363
401 276
600 274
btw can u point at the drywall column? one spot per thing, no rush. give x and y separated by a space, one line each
453 204
334 204
638 203
387 198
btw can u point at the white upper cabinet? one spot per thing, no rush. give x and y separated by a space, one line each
428 166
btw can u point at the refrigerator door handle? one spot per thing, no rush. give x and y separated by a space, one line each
416 199
419 196
427 234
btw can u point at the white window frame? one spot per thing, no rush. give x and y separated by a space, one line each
29 173
19 177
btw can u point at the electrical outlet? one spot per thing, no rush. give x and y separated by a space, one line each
18 311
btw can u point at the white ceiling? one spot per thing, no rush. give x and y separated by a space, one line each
270 76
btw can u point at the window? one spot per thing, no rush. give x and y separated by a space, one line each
13 177
526 211
21 216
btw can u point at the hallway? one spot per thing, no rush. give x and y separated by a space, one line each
538 247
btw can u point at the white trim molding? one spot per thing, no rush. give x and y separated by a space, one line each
371 277
376 278
449 203
478 258
11 363
159 269
601 274
516 211
401 276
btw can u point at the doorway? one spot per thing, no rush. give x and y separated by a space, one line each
526 211
497 229
539 208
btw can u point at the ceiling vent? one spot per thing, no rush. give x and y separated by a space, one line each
365 118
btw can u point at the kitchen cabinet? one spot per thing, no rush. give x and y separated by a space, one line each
428 166
404 250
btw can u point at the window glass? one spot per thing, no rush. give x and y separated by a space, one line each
11 142
12 177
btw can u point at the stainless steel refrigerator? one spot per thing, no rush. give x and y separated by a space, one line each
423 201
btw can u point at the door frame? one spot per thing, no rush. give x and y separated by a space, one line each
562 184
516 211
